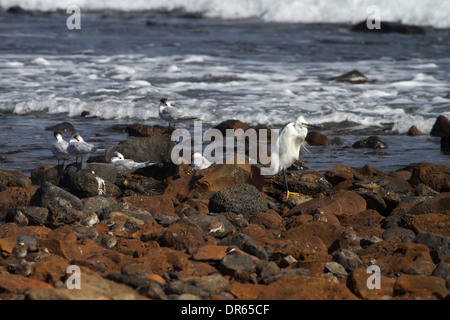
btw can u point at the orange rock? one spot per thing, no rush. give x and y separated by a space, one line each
210 253
14 197
305 288
182 235
346 203
7 245
420 286
430 222
327 232
269 219
437 204
11 230
17 284
156 205
161 259
213 179
304 248
357 283
50 269
436 176
409 258
244 291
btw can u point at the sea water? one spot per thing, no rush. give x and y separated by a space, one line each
261 62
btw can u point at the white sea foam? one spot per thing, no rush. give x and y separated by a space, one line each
420 12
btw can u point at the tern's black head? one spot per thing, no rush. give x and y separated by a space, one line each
164 100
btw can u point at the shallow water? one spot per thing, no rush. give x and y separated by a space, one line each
261 72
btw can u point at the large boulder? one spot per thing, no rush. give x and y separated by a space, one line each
441 127
436 176
388 27
242 199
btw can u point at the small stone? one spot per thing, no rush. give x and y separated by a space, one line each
348 259
336 268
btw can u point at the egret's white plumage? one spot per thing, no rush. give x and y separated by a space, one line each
79 148
59 148
199 162
127 165
291 139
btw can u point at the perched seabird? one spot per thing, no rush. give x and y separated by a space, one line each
19 251
108 240
199 162
90 219
79 148
216 226
170 113
84 232
116 226
20 218
59 148
125 166
291 139
131 227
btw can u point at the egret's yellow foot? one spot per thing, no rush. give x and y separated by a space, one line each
288 193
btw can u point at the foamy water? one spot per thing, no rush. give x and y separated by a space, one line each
421 12
256 69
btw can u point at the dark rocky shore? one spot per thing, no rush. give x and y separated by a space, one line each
225 232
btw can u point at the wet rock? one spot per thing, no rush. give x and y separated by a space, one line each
439 245
372 142
13 179
13 197
231 125
86 184
232 263
413 132
441 127
315 138
156 149
242 199
353 77
142 130
436 177
426 287
50 196
445 143
388 27
62 127
46 173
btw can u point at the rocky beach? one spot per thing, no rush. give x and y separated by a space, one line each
225 232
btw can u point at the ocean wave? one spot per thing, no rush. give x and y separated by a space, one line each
419 12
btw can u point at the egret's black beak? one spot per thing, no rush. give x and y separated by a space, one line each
313 126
